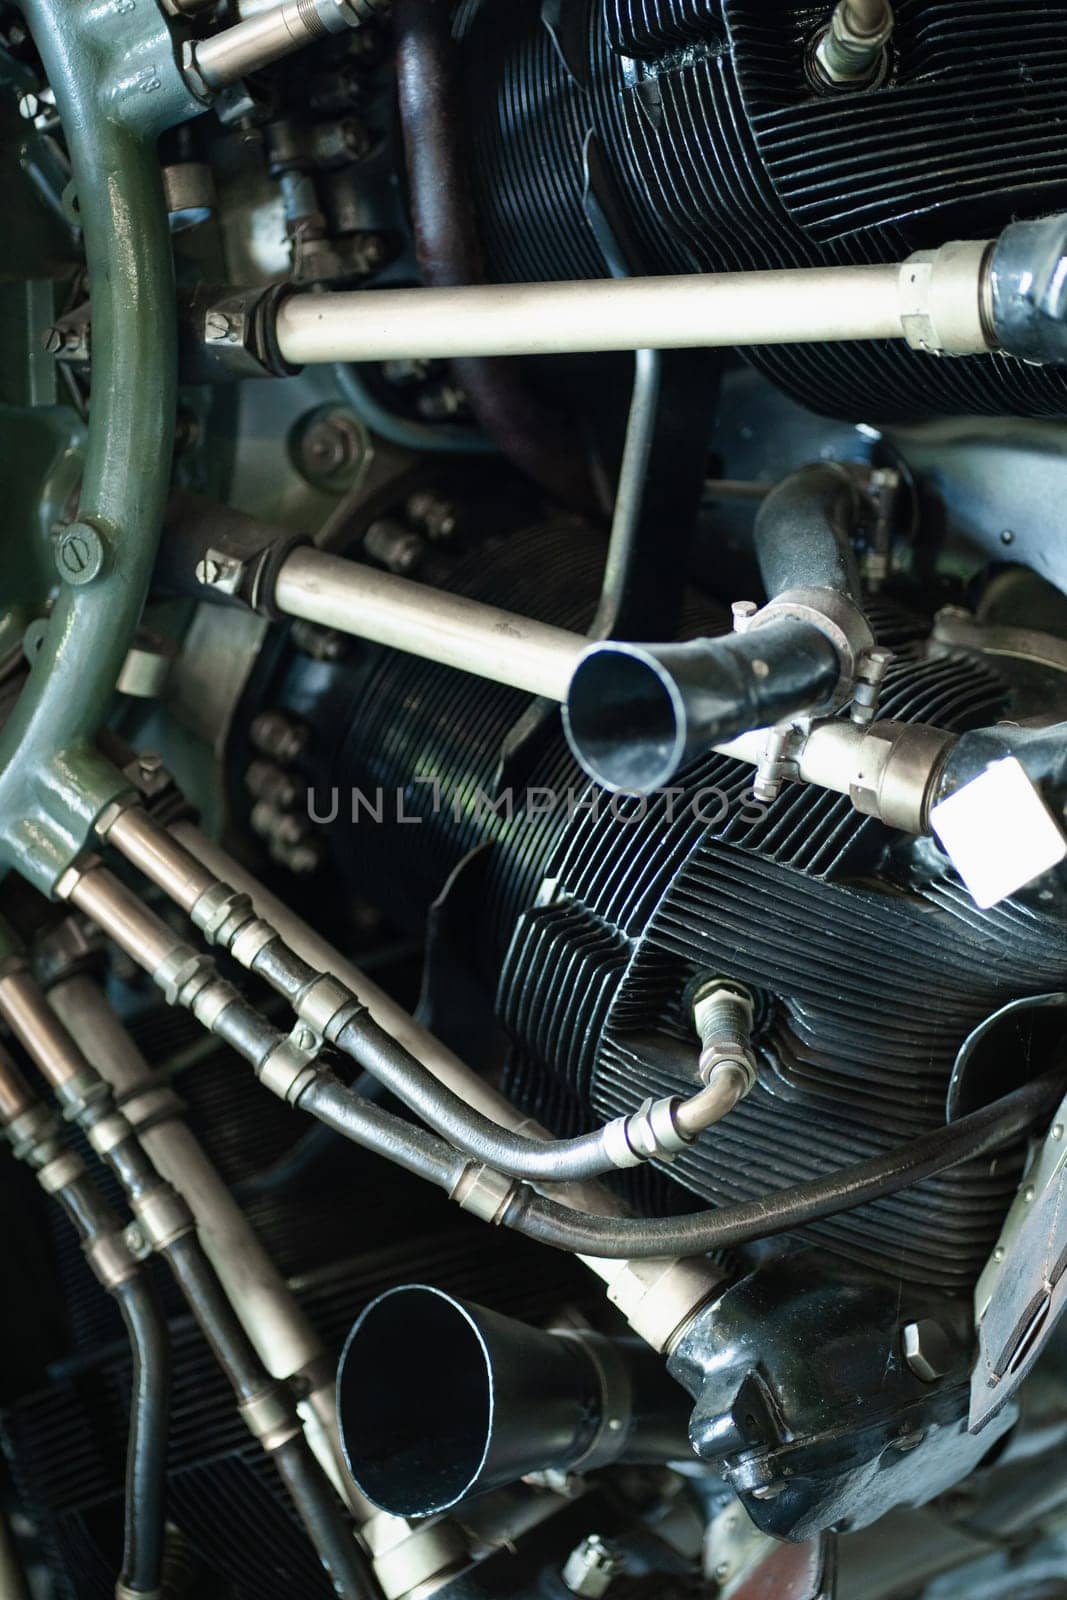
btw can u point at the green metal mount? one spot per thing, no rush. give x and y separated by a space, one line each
115 75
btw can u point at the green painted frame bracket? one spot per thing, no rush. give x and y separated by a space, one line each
117 84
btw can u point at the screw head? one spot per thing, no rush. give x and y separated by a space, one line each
80 554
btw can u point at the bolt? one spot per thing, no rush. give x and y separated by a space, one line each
277 735
53 341
216 570
29 106
723 1015
394 546
743 611
330 447
218 327
927 1350
136 1243
80 554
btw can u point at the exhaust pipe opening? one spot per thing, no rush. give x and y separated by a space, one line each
438 1401
625 719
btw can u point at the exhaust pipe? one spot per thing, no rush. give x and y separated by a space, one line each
637 714
439 1401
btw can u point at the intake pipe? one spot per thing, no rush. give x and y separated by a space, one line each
635 716
439 1401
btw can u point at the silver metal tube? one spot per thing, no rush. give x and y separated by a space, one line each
798 306
427 622
657 1297
934 300
267 35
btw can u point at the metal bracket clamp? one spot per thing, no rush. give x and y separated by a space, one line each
945 304
835 616
111 1260
327 1006
270 1417
149 1104
291 1066
164 1216
486 1193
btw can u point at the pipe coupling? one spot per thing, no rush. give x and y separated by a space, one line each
270 1417
291 1067
61 1172
651 1133
164 1216
486 1193
327 1007
111 1260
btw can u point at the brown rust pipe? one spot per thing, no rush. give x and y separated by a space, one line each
533 435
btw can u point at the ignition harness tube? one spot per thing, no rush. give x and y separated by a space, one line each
287 1065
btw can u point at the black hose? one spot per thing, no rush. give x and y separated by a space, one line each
643 1238
320 1512
146 1450
417 1151
632 1238
536 437
514 1154
803 532
249 1380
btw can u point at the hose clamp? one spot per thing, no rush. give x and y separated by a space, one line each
110 1258
839 619
164 1216
61 1172
270 1417
327 1006
486 1193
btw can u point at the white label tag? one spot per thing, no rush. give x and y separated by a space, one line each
998 833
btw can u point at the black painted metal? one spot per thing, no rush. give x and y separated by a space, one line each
726 158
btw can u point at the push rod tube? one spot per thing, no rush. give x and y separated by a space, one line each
427 622
936 301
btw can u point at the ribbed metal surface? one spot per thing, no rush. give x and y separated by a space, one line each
724 159
869 990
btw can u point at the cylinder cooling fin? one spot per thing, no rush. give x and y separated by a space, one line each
697 127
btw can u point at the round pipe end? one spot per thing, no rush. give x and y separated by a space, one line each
625 719
415 1402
